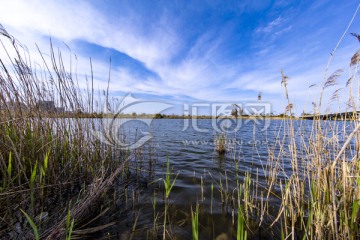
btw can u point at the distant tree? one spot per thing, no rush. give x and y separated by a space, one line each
134 114
259 96
158 115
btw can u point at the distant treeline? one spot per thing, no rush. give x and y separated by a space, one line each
174 116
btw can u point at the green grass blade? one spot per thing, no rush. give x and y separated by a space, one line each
9 168
32 224
195 222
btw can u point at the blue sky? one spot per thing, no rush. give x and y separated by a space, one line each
197 51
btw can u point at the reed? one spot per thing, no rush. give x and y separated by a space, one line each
48 148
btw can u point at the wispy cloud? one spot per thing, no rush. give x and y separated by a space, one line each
269 27
204 53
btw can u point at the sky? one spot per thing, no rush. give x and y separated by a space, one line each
193 52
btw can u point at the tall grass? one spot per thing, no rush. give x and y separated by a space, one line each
46 156
319 195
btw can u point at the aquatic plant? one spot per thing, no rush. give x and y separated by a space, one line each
221 141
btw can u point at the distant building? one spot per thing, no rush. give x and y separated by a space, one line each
46 106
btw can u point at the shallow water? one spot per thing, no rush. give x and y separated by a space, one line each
190 148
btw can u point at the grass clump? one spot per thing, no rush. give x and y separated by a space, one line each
221 142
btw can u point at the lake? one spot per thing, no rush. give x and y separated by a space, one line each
256 148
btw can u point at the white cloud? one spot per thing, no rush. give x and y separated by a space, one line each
270 26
